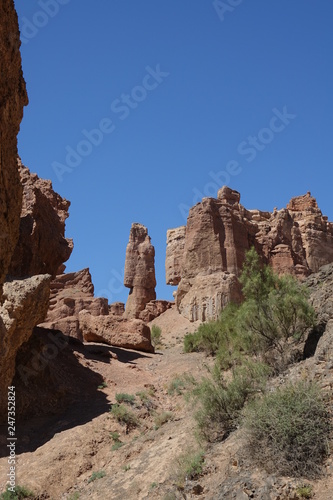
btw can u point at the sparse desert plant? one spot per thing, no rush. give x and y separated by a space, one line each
287 431
189 466
123 415
156 334
304 491
96 475
162 418
181 383
74 496
126 467
18 493
102 385
219 400
125 398
116 445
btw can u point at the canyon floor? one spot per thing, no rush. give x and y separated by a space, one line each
60 454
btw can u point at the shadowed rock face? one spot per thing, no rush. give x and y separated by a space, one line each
206 257
42 246
13 97
25 305
139 271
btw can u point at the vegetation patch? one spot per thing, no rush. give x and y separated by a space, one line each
125 398
219 399
189 466
18 493
96 475
123 415
156 334
288 430
162 418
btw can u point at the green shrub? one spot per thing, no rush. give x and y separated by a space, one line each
189 466
181 383
191 342
288 430
125 398
96 475
123 415
103 385
162 418
219 401
156 334
116 445
275 309
19 493
304 491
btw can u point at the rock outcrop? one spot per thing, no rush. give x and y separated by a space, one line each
70 294
42 246
139 271
25 305
206 257
154 308
174 254
77 313
13 97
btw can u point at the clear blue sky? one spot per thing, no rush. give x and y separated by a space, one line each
183 94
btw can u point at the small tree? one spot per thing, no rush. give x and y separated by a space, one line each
276 310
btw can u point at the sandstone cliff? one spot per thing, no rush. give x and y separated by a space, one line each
42 246
13 98
206 257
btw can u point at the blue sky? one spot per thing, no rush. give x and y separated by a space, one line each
138 109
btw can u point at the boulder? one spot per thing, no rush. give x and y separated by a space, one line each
119 332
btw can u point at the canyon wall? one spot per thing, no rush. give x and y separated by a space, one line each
205 257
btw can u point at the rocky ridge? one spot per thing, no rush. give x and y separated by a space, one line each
206 256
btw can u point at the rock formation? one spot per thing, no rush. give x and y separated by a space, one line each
139 271
174 254
70 294
76 312
13 97
42 246
206 257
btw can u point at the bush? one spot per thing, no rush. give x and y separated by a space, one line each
96 475
156 333
19 493
180 384
123 415
189 466
288 430
162 418
275 310
125 398
220 402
